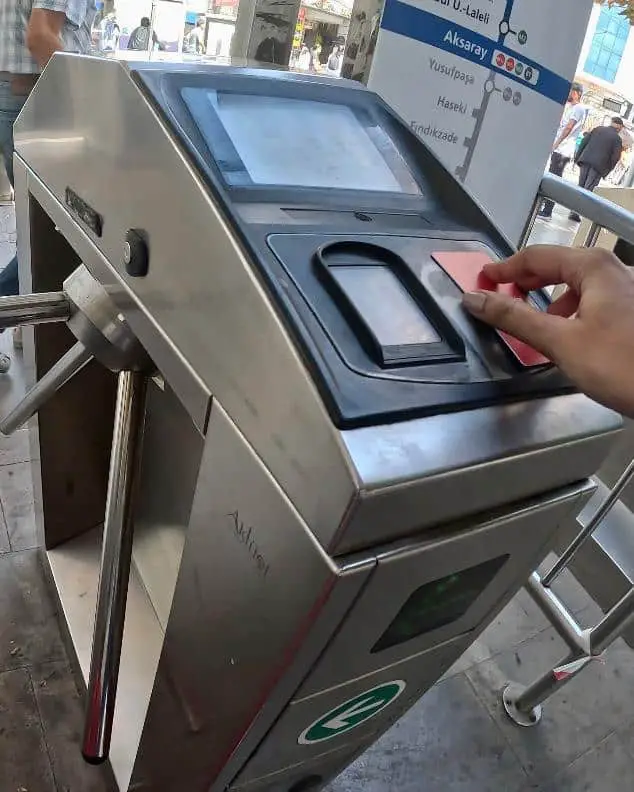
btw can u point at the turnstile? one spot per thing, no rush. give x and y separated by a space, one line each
329 478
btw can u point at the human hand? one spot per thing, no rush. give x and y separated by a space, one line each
588 332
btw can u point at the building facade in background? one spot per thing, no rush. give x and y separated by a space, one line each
606 65
607 47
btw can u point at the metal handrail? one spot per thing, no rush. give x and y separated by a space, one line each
601 212
523 703
582 537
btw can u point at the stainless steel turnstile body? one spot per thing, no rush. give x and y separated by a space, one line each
275 557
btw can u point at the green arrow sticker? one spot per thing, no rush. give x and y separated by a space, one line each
352 713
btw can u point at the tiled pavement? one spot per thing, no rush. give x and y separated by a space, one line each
456 739
558 231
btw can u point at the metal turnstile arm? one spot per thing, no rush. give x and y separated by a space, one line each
115 566
29 309
91 300
66 367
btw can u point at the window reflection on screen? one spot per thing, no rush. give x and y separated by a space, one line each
306 144
385 305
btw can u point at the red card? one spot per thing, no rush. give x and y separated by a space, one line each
465 269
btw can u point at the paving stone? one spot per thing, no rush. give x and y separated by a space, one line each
446 742
519 620
24 762
15 448
62 718
29 631
606 768
16 496
575 719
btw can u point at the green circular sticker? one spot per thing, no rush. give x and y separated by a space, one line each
352 713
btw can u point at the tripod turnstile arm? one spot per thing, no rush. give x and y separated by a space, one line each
29 309
102 333
66 367
115 566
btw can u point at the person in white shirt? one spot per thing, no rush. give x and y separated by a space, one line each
565 144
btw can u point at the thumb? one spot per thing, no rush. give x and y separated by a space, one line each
539 330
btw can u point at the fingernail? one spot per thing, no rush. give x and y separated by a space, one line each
474 301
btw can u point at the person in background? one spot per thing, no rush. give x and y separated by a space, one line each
588 332
598 154
621 172
315 52
303 61
196 37
31 31
140 37
110 33
333 64
565 144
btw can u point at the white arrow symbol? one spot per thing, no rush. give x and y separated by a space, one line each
342 720
352 713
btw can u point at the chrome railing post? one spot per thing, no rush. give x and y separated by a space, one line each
522 703
582 537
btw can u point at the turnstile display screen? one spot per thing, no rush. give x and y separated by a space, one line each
439 603
278 141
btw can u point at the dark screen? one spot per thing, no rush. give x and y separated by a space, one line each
439 603
385 305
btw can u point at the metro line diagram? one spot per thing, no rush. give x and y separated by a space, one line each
490 89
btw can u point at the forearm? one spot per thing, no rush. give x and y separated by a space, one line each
43 44
564 136
44 34
559 141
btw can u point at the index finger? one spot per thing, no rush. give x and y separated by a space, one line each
543 265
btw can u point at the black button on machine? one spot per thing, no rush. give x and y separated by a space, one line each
136 253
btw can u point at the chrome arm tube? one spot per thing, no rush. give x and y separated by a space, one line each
115 566
31 309
65 368
582 537
612 624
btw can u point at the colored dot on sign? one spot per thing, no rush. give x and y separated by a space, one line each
500 60
510 64
519 68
